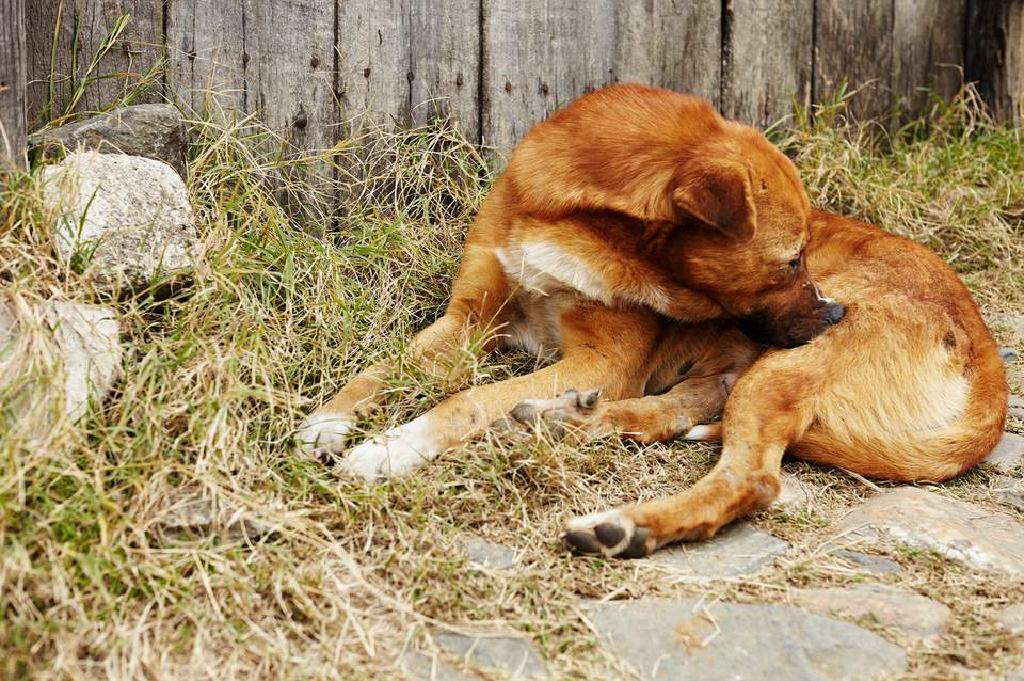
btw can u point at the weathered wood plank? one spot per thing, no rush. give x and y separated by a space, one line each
538 57
50 30
13 78
207 52
767 59
374 62
928 40
995 56
61 79
290 75
445 57
854 41
671 44
136 53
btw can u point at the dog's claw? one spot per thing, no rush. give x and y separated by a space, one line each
570 409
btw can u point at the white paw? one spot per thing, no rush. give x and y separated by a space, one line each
395 452
609 533
325 432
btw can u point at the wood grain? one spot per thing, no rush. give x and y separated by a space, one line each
445 58
767 60
928 55
291 82
13 78
671 44
994 56
374 60
853 41
136 53
207 51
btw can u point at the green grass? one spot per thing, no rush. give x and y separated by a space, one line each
97 581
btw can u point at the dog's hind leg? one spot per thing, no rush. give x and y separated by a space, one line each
767 411
703 361
478 297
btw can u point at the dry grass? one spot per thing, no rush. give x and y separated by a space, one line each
327 578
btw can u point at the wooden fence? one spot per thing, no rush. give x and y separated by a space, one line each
498 66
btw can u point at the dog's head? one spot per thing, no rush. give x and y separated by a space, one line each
747 217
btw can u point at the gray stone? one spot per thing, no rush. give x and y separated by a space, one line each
691 639
1016 674
56 353
1015 407
1012 322
1009 490
905 612
124 220
514 656
150 130
487 555
203 511
960 531
794 495
865 562
423 667
1008 454
740 549
1011 619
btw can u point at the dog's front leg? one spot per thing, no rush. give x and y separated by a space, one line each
464 416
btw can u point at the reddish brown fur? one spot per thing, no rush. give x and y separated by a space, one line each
634 201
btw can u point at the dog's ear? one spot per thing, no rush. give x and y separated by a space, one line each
719 193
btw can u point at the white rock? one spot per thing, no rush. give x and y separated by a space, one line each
56 353
125 220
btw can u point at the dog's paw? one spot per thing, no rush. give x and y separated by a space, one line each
323 434
395 452
572 410
609 533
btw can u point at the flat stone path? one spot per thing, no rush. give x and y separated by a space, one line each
687 639
967 533
904 612
738 550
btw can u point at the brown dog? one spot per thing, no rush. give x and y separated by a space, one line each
910 386
634 200
629 200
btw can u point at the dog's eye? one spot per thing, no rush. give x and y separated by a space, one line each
794 264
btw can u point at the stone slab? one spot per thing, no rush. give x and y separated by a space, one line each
666 640
1009 490
514 656
420 666
738 550
1011 619
968 533
905 612
1008 454
486 555
150 130
124 221
865 562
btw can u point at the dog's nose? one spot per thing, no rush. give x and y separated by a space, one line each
834 312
